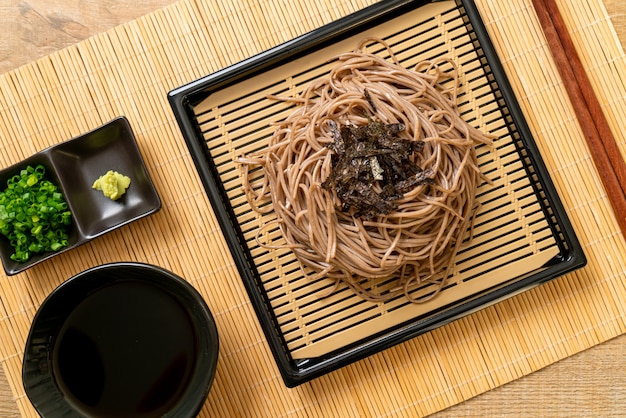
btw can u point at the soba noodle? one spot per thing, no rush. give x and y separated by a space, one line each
387 255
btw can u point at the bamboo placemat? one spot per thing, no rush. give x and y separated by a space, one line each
129 71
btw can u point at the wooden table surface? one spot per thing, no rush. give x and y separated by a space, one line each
589 384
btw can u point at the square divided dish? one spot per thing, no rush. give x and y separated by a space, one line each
521 238
73 166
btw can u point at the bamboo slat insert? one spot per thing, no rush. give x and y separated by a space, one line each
512 236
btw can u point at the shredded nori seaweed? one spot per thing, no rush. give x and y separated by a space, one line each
372 166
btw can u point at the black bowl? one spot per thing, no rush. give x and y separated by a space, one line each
121 339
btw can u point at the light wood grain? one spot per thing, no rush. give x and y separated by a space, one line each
588 384
617 11
35 28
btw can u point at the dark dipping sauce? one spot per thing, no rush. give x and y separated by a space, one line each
127 350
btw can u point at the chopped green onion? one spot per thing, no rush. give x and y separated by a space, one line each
31 180
34 216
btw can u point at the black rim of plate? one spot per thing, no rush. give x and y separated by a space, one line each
38 379
184 98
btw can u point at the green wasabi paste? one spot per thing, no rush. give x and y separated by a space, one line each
112 184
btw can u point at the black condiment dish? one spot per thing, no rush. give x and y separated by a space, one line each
73 166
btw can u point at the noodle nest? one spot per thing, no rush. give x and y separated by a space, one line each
387 255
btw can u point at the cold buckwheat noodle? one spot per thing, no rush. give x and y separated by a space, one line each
387 255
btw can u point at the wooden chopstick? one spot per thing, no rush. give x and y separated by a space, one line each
602 145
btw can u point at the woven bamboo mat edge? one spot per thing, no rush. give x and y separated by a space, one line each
480 352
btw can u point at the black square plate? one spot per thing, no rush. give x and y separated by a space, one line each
522 235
